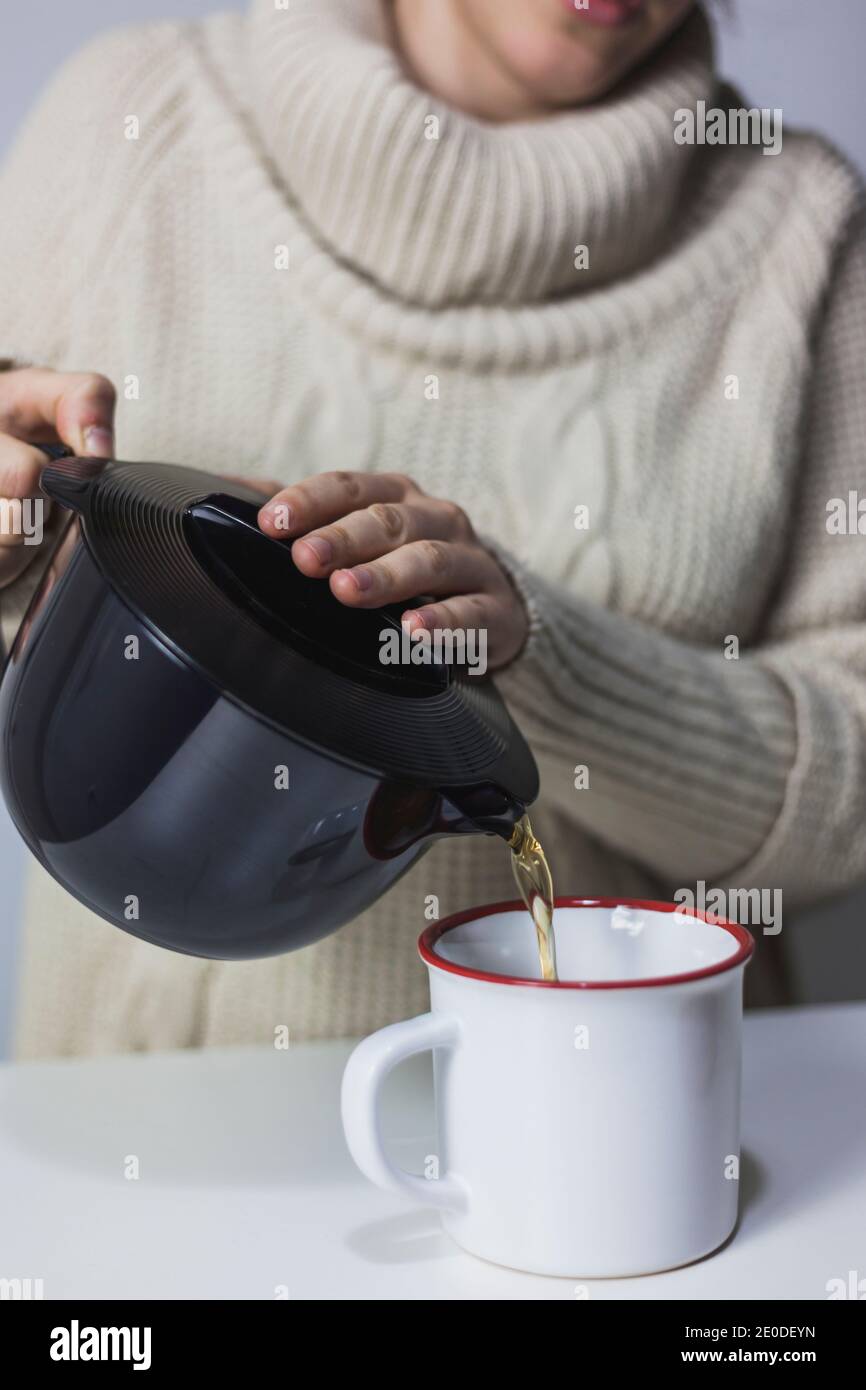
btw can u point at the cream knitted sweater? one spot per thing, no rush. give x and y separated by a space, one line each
698 389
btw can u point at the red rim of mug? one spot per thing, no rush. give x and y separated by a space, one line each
429 937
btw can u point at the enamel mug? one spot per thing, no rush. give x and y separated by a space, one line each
587 1127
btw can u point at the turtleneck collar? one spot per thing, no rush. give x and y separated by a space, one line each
484 213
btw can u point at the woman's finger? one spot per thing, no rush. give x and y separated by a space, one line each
500 625
438 568
326 497
42 405
20 470
266 486
23 510
378 530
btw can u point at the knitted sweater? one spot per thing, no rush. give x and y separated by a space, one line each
650 441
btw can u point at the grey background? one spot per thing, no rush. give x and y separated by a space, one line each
800 55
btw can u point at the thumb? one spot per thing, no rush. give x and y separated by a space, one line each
85 415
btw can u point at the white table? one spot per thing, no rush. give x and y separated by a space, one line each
245 1182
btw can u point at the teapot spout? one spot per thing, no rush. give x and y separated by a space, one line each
401 816
482 809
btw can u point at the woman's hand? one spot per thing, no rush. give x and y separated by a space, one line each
380 540
44 407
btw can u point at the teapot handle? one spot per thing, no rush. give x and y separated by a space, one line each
54 451
69 484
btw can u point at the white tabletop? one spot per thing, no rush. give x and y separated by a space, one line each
246 1186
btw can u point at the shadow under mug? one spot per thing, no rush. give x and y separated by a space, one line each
587 1127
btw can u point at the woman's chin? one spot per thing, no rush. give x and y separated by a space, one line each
551 82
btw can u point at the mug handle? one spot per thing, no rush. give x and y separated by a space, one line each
365 1071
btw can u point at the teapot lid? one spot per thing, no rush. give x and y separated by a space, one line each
182 549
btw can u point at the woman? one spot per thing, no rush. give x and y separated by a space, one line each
453 249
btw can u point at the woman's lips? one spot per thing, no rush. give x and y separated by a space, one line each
605 12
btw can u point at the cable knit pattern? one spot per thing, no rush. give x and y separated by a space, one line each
698 389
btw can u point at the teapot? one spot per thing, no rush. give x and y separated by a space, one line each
204 746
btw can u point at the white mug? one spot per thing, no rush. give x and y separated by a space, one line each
588 1127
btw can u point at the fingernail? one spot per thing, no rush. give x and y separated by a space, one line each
279 514
413 619
98 442
322 549
363 578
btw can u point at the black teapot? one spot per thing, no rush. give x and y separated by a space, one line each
203 745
